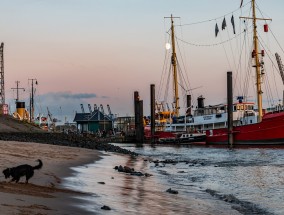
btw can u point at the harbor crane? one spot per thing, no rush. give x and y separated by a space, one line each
158 108
109 111
102 109
90 108
95 107
280 65
162 106
168 106
281 69
51 119
82 108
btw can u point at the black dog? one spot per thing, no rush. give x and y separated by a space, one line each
22 170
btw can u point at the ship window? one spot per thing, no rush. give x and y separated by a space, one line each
251 121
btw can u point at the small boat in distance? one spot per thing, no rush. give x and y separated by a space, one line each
183 138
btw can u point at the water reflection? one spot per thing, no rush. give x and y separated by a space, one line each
252 174
255 176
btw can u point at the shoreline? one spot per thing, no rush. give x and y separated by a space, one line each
44 194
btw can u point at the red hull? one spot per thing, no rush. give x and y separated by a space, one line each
269 131
159 134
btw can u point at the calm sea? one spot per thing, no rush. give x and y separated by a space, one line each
209 181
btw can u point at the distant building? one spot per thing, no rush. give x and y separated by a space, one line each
92 122
125 124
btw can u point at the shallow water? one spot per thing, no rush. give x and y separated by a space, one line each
204 178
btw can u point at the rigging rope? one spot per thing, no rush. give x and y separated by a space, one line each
210 20
276 40
208 45
272 62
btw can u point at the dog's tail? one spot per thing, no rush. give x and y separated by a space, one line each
39 165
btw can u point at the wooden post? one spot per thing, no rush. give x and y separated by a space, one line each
188 104
230 108
136 114
152 113
283 100
141 123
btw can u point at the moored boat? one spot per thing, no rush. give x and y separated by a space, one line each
270 126
252 124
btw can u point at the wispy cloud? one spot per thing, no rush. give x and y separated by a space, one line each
63 105
68 95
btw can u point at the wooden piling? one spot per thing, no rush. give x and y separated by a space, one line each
230 108
152 96
138 114
141 123
188 104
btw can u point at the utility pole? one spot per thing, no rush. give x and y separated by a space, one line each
32 99
18 88
2 89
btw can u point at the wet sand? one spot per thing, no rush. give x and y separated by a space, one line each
129 194
44 194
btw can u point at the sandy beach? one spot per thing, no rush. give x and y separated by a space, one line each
44 193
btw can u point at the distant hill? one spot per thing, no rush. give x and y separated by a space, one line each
10 124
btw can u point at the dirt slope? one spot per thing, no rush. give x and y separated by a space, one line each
10 124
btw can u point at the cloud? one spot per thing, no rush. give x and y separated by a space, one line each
62 105
105 97
68 95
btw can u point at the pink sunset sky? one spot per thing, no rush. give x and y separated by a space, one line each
101 51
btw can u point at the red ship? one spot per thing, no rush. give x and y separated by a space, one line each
270 126
269 131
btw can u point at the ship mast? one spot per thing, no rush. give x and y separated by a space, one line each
257 62
174 67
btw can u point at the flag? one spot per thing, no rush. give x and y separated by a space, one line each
241 3
216 30
233 24
224 24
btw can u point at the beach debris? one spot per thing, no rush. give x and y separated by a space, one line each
148 174
51 184
137 173
131 171
101 182
112 177
181 171
172 191
120 169
105 207
244 207
128 169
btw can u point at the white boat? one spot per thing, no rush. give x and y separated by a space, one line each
213 117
